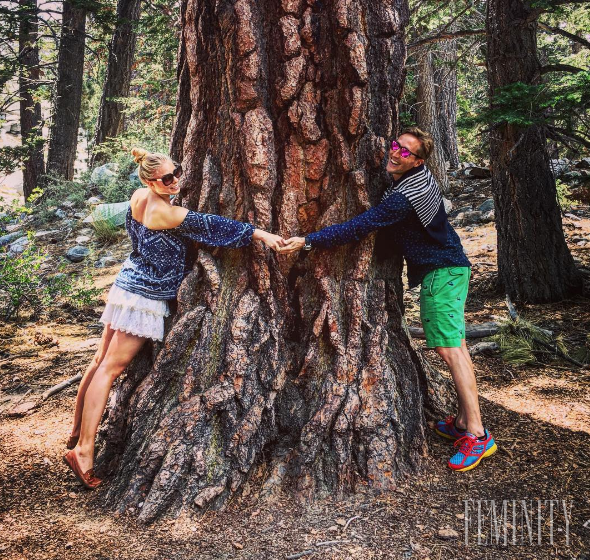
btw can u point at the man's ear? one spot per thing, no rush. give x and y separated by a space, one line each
418 162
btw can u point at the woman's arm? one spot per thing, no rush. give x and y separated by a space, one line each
217 231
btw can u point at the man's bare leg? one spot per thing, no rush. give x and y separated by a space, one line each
461 366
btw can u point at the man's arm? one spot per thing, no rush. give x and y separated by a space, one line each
390 211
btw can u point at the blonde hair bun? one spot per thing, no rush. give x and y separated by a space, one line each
139 154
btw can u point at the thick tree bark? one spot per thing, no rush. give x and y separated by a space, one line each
534 262
298 363
118 79
445 79
63 140
31 123
430 117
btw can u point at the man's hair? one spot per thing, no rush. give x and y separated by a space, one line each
426 141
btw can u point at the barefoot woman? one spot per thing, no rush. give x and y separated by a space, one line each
137 302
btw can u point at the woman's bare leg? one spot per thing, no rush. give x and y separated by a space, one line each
107 335
122 349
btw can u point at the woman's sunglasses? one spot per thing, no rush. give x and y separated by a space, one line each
168 179
403 151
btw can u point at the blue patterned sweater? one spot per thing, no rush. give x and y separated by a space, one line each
424 249
157 263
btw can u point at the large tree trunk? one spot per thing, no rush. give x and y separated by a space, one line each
429 116
445 79
299 364
63 141
31 124
118 78
534 262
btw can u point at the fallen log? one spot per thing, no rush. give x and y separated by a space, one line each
61 386
471 331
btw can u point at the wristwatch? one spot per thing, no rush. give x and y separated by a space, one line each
307 246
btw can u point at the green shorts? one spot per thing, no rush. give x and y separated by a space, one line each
442 306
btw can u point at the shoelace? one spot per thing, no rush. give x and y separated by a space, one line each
466 443
449 420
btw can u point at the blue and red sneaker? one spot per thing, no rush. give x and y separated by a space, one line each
447 429
471 451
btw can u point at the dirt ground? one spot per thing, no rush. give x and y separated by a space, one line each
539 415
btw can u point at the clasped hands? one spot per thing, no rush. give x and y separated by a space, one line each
277 243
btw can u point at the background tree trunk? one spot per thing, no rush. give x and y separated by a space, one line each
445 79
118 78
534 262
430 117
298 365
31 124
63 140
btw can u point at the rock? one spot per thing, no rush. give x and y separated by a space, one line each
459 217
11 237
114 213
469 228
104 262
447 534
448 205
572 175
67 204
572 216
486 206
80 215
473 217
14 227
18 246
584 163
468 189
82 239
60 214
478 173
86 231
560 166
467 165
463 196
48 235
104 174
77 254
462 209
23 408
489 217
93 200
489 248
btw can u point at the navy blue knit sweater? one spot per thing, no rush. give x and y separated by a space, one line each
158 262
423 250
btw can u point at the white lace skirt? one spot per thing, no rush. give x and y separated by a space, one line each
135 314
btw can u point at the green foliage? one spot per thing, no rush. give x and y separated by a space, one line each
522 343
563 196
106 231
23 286
55 192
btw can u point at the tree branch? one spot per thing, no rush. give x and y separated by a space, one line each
564 33
446 37
561 68
560 133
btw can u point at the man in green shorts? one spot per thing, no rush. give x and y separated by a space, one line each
413 205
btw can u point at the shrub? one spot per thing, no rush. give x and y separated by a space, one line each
22 285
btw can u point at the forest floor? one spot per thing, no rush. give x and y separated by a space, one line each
539 415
